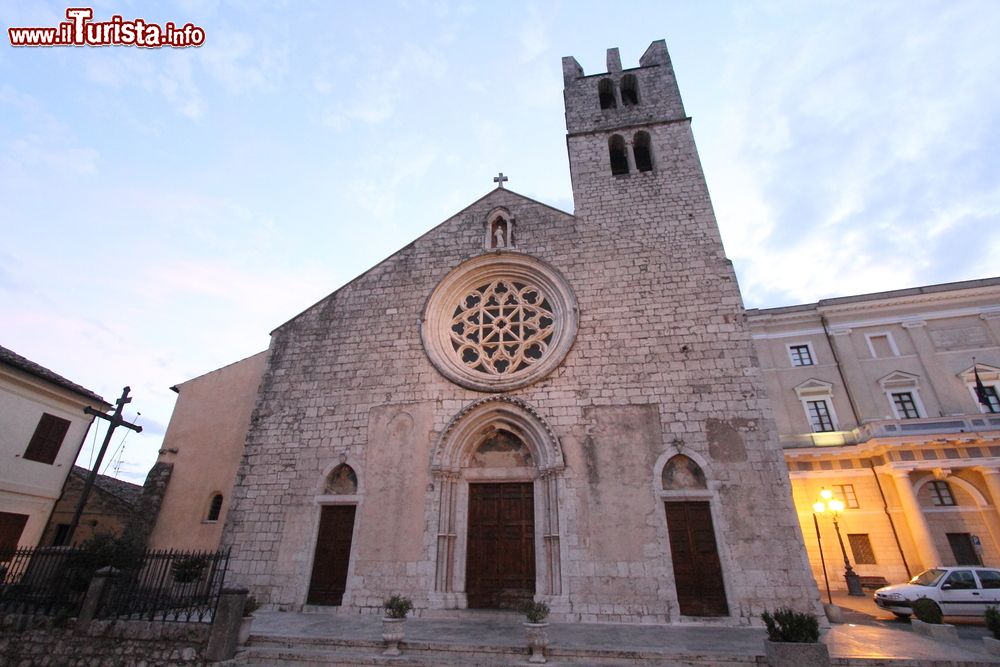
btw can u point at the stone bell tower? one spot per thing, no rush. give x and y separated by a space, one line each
673 332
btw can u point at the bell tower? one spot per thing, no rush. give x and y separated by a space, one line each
631 151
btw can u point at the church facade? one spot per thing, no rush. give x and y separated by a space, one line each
528 404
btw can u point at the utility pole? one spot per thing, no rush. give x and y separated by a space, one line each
114 421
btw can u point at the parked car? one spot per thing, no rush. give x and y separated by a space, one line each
958 591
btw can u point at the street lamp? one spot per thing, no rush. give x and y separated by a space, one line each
836 506
820 507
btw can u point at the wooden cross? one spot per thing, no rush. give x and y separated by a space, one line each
499 180
114 421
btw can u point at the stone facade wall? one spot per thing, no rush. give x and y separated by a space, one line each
28 641
662 363
153 490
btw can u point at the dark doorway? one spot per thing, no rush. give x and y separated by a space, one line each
963 549
333 554
697 571
500 559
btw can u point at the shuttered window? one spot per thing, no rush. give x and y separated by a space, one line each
11 527
47 440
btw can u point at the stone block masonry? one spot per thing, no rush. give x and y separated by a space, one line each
662 365
32 641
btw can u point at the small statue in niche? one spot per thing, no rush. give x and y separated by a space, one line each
499 237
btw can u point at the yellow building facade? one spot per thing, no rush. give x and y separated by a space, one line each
877 401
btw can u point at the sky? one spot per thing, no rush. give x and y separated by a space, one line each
163 210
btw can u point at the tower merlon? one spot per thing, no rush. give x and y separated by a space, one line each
656 54
614 61
571 69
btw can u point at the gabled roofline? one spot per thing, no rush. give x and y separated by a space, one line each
14 360
411 243
177 387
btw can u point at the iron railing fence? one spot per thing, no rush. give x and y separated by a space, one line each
179 586
44 581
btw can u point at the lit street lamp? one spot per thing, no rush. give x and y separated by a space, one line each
820 507
836 506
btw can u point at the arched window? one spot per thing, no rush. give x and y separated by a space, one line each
619 159
630 91
214 508
643 152
342 481
682 473
606 93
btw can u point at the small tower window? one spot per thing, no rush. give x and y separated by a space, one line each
214 508
606 93
630 91
619 159
643 152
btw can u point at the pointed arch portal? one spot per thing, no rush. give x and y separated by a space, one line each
496 468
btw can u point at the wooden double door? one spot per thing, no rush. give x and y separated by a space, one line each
500 557
333 555
697 570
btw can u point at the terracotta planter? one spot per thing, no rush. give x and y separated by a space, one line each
392 634
245 624
538 640
794 654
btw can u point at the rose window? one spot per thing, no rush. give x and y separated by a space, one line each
499 321
502 327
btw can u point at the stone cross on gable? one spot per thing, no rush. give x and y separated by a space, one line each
499 180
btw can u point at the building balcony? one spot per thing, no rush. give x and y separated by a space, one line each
894 428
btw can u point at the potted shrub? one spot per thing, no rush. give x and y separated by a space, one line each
793 639
927 621
396 608
537 629
249 607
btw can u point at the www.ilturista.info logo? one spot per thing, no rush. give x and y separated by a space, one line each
80 30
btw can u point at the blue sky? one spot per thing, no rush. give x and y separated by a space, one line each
162 210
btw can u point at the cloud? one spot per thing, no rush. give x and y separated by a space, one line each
168 73
840 166
243 65
533 40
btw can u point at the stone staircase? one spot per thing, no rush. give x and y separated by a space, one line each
312 652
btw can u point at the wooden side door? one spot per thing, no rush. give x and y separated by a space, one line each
333 555
500 557
697 570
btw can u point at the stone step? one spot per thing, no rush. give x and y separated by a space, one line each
302 652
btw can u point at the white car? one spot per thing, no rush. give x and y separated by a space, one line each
958 591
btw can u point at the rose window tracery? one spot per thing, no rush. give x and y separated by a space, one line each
502 327
499 321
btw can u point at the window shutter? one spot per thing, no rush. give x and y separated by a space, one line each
47 440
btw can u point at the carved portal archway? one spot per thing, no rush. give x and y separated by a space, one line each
468 451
